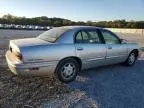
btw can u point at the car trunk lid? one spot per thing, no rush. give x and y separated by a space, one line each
27 42
16 46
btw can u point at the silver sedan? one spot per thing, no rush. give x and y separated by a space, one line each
64 51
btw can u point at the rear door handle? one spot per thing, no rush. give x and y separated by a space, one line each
79 48
109 47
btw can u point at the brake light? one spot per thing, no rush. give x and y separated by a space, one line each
10 49
19 55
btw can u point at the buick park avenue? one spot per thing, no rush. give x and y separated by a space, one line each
65 51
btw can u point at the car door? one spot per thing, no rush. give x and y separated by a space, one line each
90 48
116 51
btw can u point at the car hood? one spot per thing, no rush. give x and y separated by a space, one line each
28 42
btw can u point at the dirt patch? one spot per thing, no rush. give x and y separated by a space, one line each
19 92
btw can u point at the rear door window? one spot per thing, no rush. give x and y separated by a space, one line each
88 36
94 37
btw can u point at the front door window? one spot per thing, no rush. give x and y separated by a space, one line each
110 38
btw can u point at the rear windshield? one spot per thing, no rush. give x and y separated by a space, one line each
53 34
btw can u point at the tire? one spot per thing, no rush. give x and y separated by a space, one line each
67 70
131 59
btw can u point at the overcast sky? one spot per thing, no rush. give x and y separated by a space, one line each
76 10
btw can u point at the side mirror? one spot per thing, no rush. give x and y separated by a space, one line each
123 41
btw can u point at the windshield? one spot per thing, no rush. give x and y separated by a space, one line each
52 35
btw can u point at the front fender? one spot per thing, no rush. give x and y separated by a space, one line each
132 46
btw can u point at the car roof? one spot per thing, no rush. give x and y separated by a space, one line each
81 27
68 36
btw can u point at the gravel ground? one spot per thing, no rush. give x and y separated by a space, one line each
18 92
114 86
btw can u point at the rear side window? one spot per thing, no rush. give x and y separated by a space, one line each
94 37
88 37
79 38
85 37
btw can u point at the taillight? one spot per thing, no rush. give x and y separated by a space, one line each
10 49
19 55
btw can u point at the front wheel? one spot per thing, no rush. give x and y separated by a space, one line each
67 70
131 59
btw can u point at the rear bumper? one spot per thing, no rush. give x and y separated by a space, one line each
36 69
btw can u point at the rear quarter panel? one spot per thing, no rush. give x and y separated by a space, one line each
52 52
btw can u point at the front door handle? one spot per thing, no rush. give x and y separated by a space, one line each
109 47
79 48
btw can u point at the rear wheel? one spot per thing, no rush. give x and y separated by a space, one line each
67 70
131 59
